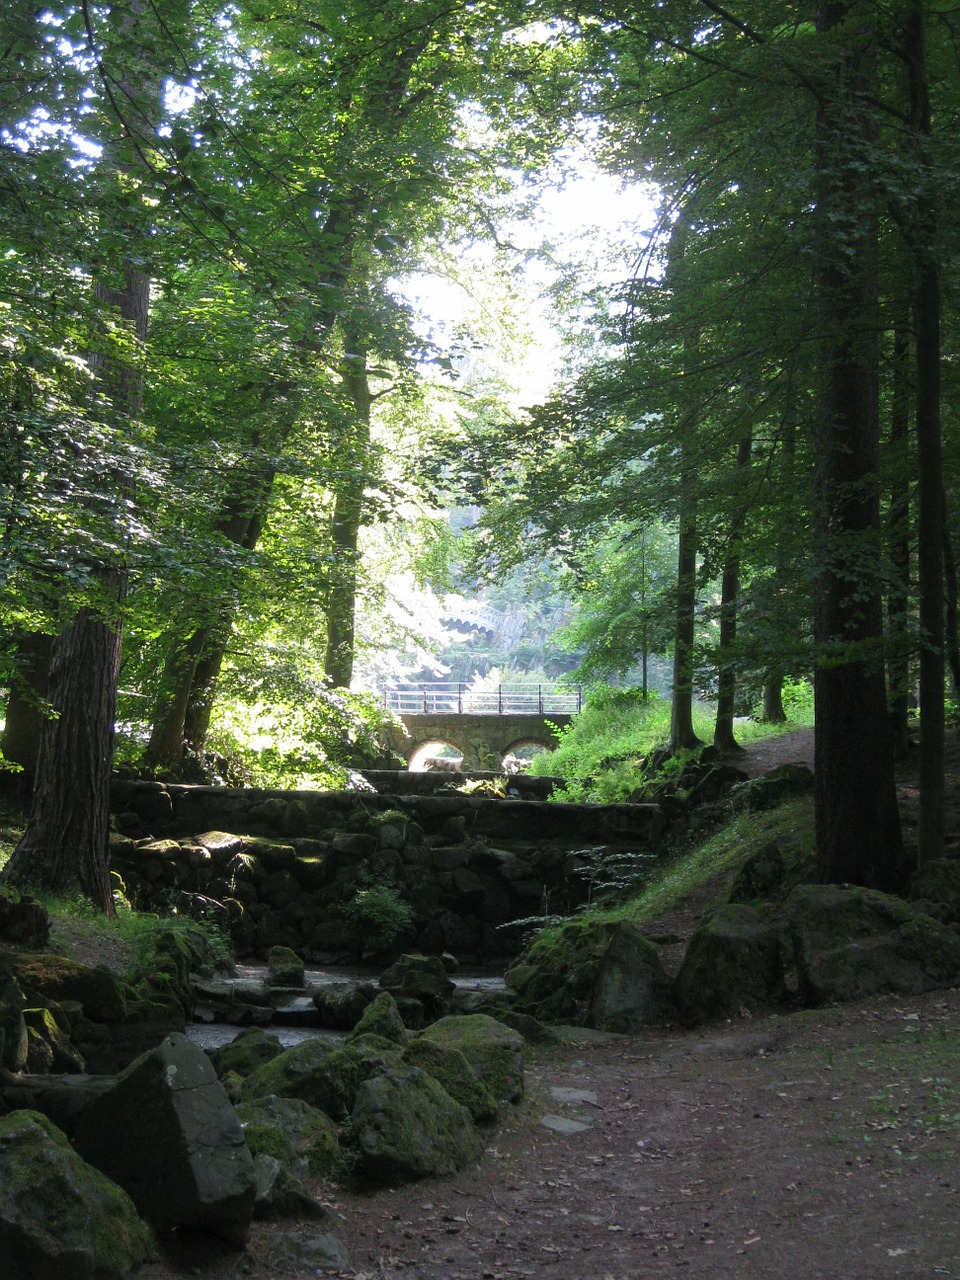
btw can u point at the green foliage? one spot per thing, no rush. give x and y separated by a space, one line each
379 915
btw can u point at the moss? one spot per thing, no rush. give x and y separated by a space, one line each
493 1050
292 1131
450 1068
63 1207
248 1051
381 1018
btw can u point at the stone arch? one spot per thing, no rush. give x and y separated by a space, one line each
528 746
442 748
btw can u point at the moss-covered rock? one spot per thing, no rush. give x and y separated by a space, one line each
328 1080
593 974
937 886
102 995
450 1068
284 968
732 963
407 1126
381 1018
851 942
302 1137
50 1047
60 1217
493 1050
422 978
341 1004
245 1053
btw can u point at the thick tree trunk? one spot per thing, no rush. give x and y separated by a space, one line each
64 846
930 505
857 820
951 628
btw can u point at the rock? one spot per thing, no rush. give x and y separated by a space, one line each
24 923
329 1082
59 1217
593 974
341 1004
851 942
771 788
280 1194
102 995
284 968
937 886
494 1051
422 978
381 1018
732 963
759 877
449 1068
297 1134
291 1255
168 1135
407 1126
246 1052
49 1045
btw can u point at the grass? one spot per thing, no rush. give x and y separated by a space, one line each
600 755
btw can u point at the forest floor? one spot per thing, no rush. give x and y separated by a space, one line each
818 1144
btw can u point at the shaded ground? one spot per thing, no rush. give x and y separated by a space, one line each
817 1144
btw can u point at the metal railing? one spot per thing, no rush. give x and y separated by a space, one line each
503 700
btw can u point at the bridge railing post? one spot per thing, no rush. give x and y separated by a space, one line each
459 699
499 699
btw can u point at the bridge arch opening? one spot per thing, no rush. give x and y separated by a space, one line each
523 751
435 754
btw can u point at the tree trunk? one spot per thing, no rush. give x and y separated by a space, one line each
773 710
930 508
723 737
348 515
25 716
898 538
64 846
858 832
950 625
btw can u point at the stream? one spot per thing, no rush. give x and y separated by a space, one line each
297 1019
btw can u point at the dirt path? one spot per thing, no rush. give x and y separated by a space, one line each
795 747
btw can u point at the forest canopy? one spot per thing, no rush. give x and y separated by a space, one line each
246 476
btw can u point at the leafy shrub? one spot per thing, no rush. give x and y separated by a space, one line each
379 915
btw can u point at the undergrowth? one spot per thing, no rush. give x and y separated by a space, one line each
600 755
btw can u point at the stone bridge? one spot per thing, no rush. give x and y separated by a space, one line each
482 739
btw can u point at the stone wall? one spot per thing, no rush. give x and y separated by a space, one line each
286 867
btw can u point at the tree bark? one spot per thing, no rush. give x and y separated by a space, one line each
930 506
348 515
858 832
898 539
723 736
773 709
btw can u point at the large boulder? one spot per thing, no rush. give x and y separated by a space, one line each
58 1216
23 923
328 1080
407 1126
732 963
594 974
341 1004
422 978
381 1018
850 943
100 993
284 968
450 1068
493 1050
168 1135
301 1137
936 889
252 1048
773 787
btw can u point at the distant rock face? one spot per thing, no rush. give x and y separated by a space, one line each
168 1135
407 1127
593 973
60 1219
851 942
732 963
